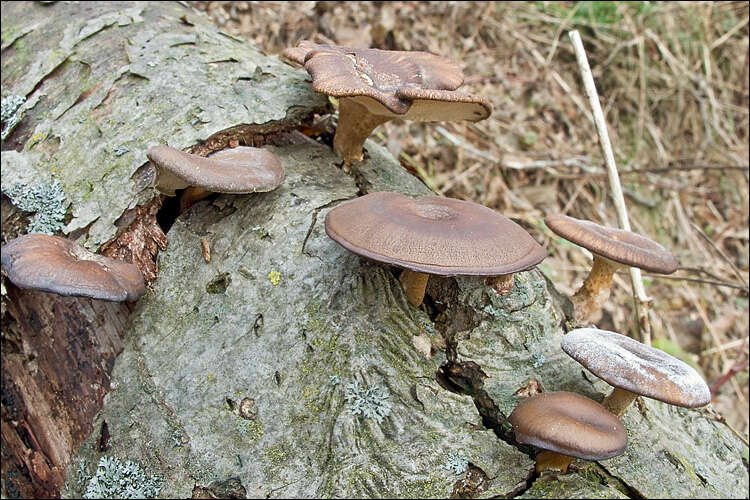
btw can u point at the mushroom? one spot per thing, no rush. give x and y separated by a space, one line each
432 235
567 425
375 86
635 369
612 248
61 266
237 170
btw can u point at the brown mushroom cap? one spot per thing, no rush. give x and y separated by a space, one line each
628 364
618 245
58 265
238 170
433 235
569 424
413 85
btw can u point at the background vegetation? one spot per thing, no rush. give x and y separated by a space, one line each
673 80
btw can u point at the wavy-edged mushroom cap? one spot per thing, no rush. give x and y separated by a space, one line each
414 85
58 265
433 235
569 424
621 246
237 170
628 364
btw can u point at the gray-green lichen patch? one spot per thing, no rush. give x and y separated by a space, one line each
175 84
46 201
115 479
331 314
10 115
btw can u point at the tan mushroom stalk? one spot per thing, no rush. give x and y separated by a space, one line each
567 425
58 265
432 235
635 369
238 170
612 248
374 86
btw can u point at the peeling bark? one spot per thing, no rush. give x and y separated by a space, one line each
58 353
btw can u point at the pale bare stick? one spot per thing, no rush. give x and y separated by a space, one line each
642 301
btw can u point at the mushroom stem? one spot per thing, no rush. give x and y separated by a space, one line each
551 460
356 124
191 196
618 401
502 284
588 300
414 284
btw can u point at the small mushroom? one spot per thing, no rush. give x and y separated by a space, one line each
432 235
612 248
375 86
237 170
61 266
635 369
567 425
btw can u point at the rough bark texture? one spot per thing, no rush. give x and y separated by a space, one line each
285 317
100 88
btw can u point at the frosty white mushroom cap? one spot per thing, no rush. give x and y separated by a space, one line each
628 364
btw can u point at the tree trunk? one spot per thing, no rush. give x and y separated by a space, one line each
286 366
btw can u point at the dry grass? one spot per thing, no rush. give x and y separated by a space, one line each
673 80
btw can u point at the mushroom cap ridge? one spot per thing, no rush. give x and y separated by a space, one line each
398 84
570 424
236 171
433 235
628 364
621 246
62 266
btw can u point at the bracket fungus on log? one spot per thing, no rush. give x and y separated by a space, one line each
237 170
432 235
62 266
374 86
612 248
567 425
635 369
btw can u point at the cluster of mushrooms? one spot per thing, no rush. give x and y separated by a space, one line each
429 235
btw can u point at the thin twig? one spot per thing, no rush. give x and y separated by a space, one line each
725 347
738 286
641 299
720 252
715 337
734 370
685 168
720 418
